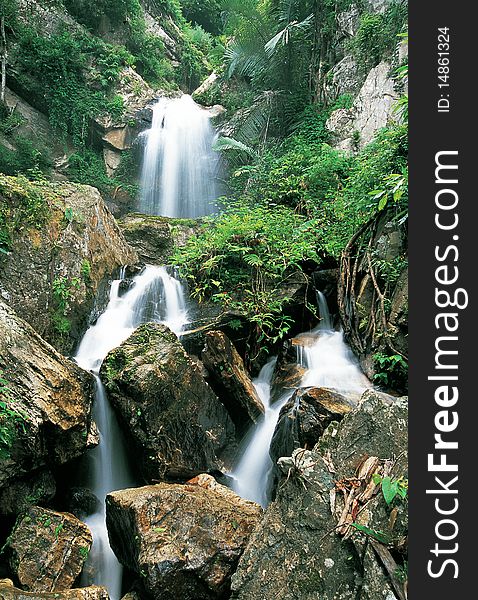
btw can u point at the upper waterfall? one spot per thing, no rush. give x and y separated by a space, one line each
180 168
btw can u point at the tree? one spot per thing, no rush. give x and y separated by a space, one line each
8 10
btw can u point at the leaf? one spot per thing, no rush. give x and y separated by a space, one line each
380 536
227 143
383 203
159 529
389 489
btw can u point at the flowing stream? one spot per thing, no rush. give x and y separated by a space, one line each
153 295
329 362
180 168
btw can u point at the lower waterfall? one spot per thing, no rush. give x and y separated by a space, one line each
329 362
153 295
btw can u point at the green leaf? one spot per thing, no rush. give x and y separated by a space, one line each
383 203
389 489
380 536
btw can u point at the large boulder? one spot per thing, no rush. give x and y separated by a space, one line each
185 540
155 238
230 380
64 246
35 488
304 419
372 109
176 423
46 419
46 549
9 592
305 546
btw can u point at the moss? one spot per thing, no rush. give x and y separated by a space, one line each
114 364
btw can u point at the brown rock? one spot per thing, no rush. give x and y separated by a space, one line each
48 398
304 419
75 245
46 549
185 540
176 423
9 592
155 238
19 495
230 380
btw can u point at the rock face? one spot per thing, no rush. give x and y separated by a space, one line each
230 380
185 540
46 550
155 238
371 110
36 127
54 271
298 551
21 494
304 419
9 592
175 421
48 398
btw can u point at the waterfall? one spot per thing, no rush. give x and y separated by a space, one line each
249 476
329 362
153 295
180 168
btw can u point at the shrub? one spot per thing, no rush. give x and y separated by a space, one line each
242 257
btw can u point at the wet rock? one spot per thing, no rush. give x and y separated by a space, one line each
36 488
75 251
304 419
289 370
46 550
176 423
81 502
185 540
230 381
49 399
297 551
155 238
9 592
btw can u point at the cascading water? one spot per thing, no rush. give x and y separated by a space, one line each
329 363
154 295
250 475
180 168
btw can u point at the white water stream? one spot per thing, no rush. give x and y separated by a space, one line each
153 296
180 168
329 363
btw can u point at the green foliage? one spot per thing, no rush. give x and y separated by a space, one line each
206 13
85 270
11 420
63 288
9 120
23 205
391 370
77 73
25 159
355 205
242 257
88 167
392 488
376 36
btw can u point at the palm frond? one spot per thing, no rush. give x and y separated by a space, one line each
227 143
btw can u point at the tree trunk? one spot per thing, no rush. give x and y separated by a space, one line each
3 46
